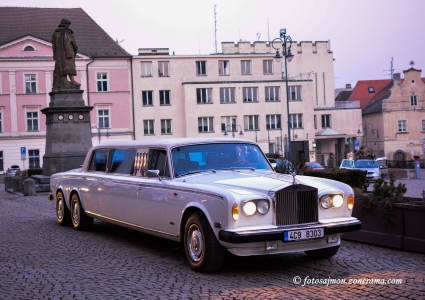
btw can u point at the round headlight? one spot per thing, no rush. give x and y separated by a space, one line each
326 201
337 201
249 208
262 207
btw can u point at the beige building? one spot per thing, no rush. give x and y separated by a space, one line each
395 118
243 90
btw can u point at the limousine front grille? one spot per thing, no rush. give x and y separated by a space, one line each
296 204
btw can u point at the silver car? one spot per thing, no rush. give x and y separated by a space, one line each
201 193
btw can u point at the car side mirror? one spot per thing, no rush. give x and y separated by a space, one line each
153 173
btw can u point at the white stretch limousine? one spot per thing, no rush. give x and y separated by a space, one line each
212 195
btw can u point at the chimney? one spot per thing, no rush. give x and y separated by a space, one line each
396 78
348 86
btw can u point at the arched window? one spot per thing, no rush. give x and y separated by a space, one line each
29 48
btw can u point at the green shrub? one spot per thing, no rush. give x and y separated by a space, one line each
354 178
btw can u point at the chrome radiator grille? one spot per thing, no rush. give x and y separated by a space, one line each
296 204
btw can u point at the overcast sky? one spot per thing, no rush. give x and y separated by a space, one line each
364 34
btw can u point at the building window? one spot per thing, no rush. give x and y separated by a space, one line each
371 89
1 161
204 96
164 97
103 118
315 122
402 127
146 68
206 124
102 82
246 67
296 120
30 83
227 122
201 68
268 66
32 121
326 121
1 122
223 67
34 158
250 94
29 48
272 93
295 93
163 68
251 122
423 125
147 98
413 100
148 127
166 126
227 95
273 122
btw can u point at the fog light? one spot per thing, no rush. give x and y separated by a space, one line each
332 239
271 245
235 212
350 202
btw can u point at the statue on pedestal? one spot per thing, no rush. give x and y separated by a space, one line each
64 52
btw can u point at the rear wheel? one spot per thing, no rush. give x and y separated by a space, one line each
80 220
63 215
203 251
323 253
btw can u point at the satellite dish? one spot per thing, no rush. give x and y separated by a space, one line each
412 63
258 35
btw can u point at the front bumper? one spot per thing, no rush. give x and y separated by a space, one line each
277 234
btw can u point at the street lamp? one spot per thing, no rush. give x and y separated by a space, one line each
286 53
233 126
98 132
365 129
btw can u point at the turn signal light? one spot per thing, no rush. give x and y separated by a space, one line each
350 202
235 212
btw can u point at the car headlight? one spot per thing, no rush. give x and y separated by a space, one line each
328 201
260 206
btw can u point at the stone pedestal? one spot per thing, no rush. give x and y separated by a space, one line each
68 133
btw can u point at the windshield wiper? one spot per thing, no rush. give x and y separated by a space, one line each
234 168
197 171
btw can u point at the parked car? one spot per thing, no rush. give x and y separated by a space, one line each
314 165
197 192
11 172
369 165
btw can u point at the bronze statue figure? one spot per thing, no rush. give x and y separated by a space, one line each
64 52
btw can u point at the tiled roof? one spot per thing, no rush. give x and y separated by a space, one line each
361 90
91 39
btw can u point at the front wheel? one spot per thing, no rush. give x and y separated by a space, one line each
323 253
80 220
203 251
63 215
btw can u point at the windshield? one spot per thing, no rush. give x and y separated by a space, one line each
366 164
199 158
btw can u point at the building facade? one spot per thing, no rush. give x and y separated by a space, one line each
26 77
242 90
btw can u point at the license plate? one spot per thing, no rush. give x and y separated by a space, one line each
303 234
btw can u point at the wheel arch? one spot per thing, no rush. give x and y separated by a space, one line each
186 215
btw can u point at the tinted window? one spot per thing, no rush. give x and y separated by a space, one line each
122 161
99 160
158 161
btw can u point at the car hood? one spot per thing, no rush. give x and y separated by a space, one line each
367 169
243 182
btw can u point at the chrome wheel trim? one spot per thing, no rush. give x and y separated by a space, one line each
195 244
75 212
61 208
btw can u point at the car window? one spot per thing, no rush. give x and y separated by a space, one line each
157 160
122 161
99 160
366 164
197 158
347 163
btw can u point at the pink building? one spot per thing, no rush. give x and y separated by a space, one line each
26 76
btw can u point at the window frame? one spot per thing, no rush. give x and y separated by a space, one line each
326 118
274 119
200 96
150 128
423 125
102 81
268 66
37 120
166 70
35 157
144 69
199 70
1 119
227 121
298 122
162 97
145 99
223 67
251 90
267 93
251 123
165 128
413 100
103 117
209 124
31 82
401 124
296 91
243 67
231 95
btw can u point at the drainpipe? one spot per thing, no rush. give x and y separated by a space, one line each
132 98
88 89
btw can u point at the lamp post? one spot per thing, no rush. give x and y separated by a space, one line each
99 133
286 53
233 126
365 129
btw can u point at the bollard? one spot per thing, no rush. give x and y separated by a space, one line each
29 187
16 184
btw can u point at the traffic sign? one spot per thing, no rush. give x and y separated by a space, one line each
357 144
23 153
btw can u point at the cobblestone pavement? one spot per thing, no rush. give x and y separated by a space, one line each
41 260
